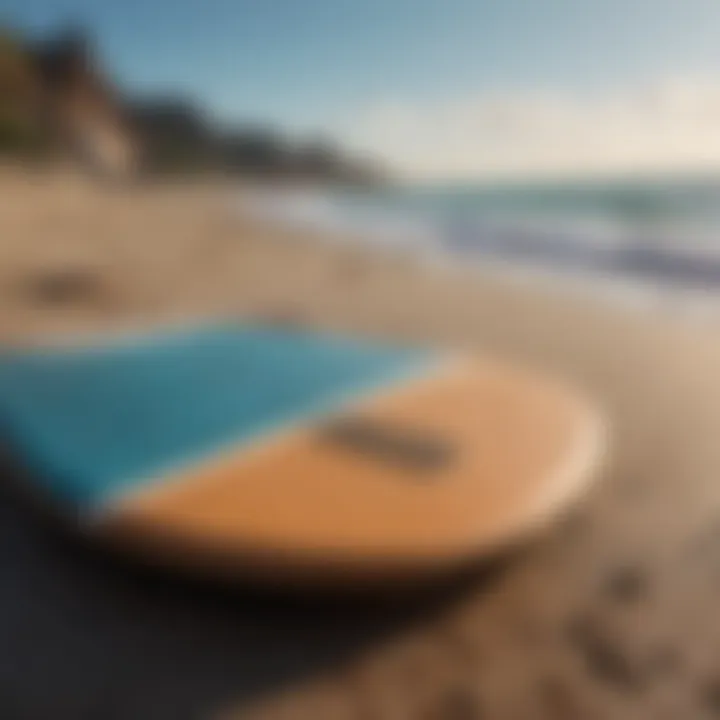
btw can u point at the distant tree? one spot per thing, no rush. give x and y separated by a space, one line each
257 151
319 158
175 134
54 96
19 131
65 56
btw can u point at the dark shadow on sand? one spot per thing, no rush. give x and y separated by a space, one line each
85 635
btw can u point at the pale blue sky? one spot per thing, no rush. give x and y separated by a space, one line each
316 63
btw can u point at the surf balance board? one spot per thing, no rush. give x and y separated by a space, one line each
251 447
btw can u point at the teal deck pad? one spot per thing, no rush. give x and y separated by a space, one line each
93 423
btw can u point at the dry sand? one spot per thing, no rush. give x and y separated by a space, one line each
611 615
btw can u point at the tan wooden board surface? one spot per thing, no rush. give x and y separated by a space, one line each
517 448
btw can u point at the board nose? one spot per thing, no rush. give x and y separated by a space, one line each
448 467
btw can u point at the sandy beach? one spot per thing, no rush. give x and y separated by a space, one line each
608 616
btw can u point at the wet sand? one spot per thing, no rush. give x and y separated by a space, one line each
611 614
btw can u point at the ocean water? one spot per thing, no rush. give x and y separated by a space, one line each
663 231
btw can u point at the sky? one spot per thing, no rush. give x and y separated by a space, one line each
440 89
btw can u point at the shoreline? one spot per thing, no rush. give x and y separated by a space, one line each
646 279
76 258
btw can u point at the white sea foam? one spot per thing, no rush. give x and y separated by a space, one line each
641 261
